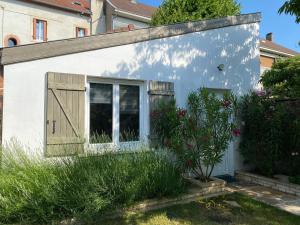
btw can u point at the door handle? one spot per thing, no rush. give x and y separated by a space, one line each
53 126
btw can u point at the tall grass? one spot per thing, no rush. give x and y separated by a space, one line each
36 191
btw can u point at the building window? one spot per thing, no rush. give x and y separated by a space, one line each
81 32
129 113
101 113
39 30
114 115
12 42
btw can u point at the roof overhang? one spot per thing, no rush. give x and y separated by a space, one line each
272 51
76 45
84 13
132 16
129 15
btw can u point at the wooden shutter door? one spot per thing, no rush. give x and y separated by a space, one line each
158 92
65 114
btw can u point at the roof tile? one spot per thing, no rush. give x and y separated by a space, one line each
135 8
82 6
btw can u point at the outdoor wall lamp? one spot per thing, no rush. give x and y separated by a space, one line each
221 67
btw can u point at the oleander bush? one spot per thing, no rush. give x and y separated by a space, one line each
199 135
36 191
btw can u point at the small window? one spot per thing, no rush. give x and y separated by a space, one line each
81 32
101 113
12 42
129 113
39 30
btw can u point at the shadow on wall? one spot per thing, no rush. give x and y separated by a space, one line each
191 60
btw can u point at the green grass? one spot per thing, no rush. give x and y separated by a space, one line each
211 212
34 191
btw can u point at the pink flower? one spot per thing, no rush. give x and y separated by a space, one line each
261 93
190 146
181 113
236 132
154 113
226 103
189 163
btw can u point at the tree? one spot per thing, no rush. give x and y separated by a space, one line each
284 78
177 11
291 7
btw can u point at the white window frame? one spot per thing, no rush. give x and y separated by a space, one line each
116 144
40 29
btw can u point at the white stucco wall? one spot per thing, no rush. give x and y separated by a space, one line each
16 18
190 61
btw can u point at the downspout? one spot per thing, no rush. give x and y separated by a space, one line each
2 26
91 18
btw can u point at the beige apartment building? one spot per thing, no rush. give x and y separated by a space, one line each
32 21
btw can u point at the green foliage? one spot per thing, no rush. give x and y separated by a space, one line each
177 11
35 191
284 78
209 128
294 179
270 135
200 135
291 7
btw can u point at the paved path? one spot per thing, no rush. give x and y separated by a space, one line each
286 202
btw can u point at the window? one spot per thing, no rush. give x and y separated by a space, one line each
81 32
114 113
39 30
12 42
101 113
129 113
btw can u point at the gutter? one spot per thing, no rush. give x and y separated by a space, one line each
275 52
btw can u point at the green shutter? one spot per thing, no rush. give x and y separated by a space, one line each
65 114
158 92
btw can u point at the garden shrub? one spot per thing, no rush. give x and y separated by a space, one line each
200 135
36 191
270 135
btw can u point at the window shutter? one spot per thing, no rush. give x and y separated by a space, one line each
45 31
158 92
65 114
34 29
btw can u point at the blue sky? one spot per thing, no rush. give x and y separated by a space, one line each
286 31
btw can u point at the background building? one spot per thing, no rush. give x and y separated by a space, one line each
32 21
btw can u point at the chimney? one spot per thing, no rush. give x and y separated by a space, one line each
269 36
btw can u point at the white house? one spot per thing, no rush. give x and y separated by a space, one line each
64 92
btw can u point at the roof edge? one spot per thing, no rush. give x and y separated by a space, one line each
269 50
76 45
86 12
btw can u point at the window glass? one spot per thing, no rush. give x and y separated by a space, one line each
129 113
12 42
101 113
80 32
40 27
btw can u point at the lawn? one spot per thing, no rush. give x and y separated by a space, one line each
211 212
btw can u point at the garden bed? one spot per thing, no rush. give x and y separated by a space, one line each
269 182
213 186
